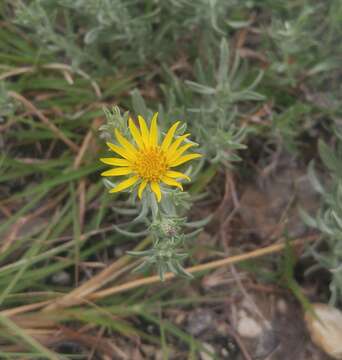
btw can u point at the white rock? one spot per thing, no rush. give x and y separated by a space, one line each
61 278
204 355
248 327
326 331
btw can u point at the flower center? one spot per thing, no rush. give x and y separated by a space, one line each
151 164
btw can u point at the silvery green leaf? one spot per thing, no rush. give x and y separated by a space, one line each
235 67
200 73
123 211
217 157
108 184
312 269
338 132
144 266
327 65
181 271
256 81
139 105
324 227
199 223
154 205
337 269
233 157
222 73
167 205
249 95
327 155
337 219
172 268
307 219
238 24
200 110
194 172
161 271
130 233
236 146
182 256
193 234
140 253
313 178
92 35
333 293
181 130
201 89
143 213
199 197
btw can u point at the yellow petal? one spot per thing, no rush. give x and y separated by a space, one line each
124 142
171 182
142 188
144 131
156 189
121 151
115 161
125 184
135 133
176 154
177 175
184 159
173 148
169 136
154 130
117 172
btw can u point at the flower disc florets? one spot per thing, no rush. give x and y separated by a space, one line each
151 164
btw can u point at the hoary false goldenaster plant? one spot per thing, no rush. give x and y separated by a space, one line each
146 162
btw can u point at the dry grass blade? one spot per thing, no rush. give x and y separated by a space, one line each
27 338
86 142
83 291
65 69
13 233
59 134
24 308
77 163
87 290
17 71
199 268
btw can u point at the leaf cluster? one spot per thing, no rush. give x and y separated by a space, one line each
329 217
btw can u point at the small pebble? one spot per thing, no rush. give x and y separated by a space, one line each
200 321
248 327
326 331
204 355
61 278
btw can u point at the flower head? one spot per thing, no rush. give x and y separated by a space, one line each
146 161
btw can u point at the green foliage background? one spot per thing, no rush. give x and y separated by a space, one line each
182 58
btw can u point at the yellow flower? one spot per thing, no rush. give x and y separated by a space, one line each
147 162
